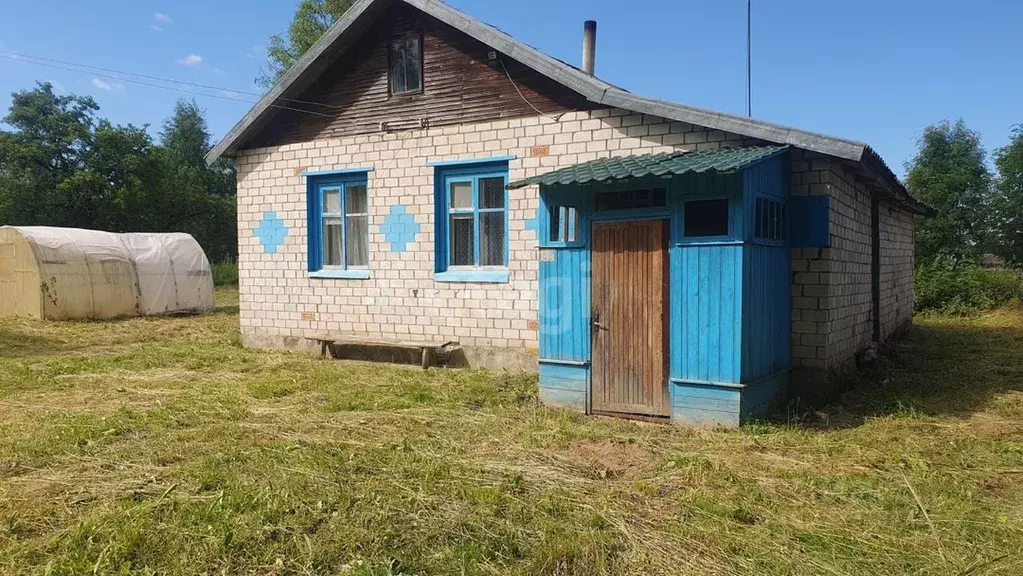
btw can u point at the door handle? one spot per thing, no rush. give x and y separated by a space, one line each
596 321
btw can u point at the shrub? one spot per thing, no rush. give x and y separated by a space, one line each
959 290
225 273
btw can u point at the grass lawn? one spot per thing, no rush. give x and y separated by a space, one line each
159 445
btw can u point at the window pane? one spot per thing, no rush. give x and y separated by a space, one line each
492 192
775 231
555 212
332 201
357 248
355 199
492 239
332 242
462 238
406 64
398 82
461 195
571 223
706 218
413 59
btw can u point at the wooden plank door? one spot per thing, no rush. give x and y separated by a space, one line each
629 318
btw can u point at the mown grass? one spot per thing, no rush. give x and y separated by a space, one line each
160 445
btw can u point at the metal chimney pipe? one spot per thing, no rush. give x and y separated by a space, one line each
589 46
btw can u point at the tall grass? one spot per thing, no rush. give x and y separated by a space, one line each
225 273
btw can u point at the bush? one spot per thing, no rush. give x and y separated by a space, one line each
959 290
225 273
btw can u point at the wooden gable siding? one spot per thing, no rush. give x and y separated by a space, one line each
459 86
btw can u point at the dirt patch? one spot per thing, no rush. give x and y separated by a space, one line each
610 459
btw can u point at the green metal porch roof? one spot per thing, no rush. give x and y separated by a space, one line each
722 161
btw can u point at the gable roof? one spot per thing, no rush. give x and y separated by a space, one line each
347 29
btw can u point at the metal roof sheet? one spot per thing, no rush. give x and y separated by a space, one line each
722 160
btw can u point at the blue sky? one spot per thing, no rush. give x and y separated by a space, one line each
870 70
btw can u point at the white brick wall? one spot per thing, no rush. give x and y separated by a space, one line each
831 290
832 316
402 300
897 250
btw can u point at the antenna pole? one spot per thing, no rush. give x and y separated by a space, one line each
749 58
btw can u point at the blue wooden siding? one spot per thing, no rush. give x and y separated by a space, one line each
565 386
565 305
767 301
706 286
698 404
729 303
762 396
766 311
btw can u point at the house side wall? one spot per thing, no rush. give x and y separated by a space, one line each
280 303
897 251
832 286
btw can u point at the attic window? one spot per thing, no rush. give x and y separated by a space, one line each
406 59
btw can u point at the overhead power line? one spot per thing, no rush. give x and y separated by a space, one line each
141 79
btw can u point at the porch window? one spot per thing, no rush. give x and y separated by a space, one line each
406 64
339 227
472 227
706 218
770 221
631 199
564 223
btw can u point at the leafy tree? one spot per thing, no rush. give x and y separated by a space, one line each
203 196
1007 205
312 19
950 174
186 135
61 166
51 134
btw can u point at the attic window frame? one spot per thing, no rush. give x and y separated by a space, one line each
418 35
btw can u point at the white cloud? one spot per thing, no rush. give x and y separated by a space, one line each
108 86
161 17
155 27
231 95
192 60
218 71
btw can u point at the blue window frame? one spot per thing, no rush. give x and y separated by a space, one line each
472 223
338 211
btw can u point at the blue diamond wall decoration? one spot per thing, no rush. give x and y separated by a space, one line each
271 232
399 229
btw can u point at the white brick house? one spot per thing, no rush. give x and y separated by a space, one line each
374 201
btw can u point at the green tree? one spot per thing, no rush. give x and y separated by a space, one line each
1007 205
51 134
202 197
61 166
950 174
312 19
